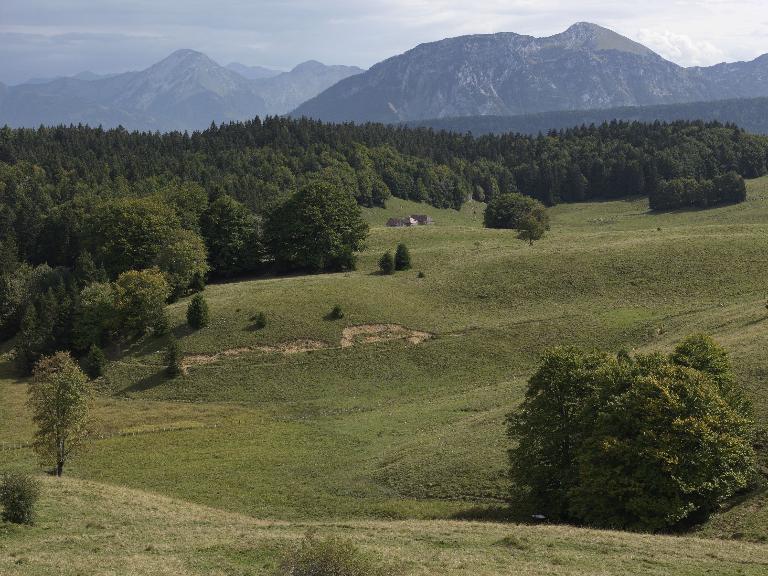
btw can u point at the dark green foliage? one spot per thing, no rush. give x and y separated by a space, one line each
336 313
232 234
198 282
319 228
387 263
728 188
402 257
129 233
513 211
86 270
421 275
314 556
94 362
197 312
172 358
644 443
259 321
18 496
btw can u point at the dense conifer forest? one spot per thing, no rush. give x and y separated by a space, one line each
95 224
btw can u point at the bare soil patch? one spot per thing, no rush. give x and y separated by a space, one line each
371 333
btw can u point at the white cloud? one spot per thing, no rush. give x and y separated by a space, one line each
281 33
681 48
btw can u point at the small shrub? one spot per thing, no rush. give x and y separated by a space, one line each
336 313
259 321
402 257
421 275
93 363
173 358
329 557
387 263
197 312
18 495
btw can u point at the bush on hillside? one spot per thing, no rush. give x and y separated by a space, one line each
387 263
402 257
329 557
259 321
198 315
19 493
336 313
649 442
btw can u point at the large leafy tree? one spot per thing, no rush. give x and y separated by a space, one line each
182 259
59 401
129 233
233 236
319 228
140 297
666 451
647 442
513 210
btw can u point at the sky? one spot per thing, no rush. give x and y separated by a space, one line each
48 38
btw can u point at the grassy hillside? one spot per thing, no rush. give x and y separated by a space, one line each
313 420
87 528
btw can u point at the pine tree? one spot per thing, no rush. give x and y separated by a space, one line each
387 263
402 257
197 312
93 363
173 358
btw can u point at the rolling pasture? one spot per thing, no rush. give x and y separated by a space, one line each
387 426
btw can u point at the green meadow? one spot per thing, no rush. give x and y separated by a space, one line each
350 428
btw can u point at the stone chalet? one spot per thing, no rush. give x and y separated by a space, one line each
414 220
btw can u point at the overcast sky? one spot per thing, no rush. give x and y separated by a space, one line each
42 38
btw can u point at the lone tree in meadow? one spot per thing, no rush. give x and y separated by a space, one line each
197 312
59 401
530 229
402 257
648 443
387 263
511 210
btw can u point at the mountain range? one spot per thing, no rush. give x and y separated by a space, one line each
185 91
506 74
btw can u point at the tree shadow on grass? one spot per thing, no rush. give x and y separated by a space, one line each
491 513
147 383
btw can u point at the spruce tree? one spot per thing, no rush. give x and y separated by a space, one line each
402 257
387 263
93 363
173 358
197 312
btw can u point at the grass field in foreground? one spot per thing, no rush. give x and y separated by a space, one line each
87 528
392 430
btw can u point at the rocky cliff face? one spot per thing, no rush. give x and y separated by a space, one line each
585 67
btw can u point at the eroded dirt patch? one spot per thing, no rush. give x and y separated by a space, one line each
294 347
352 336
370 333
